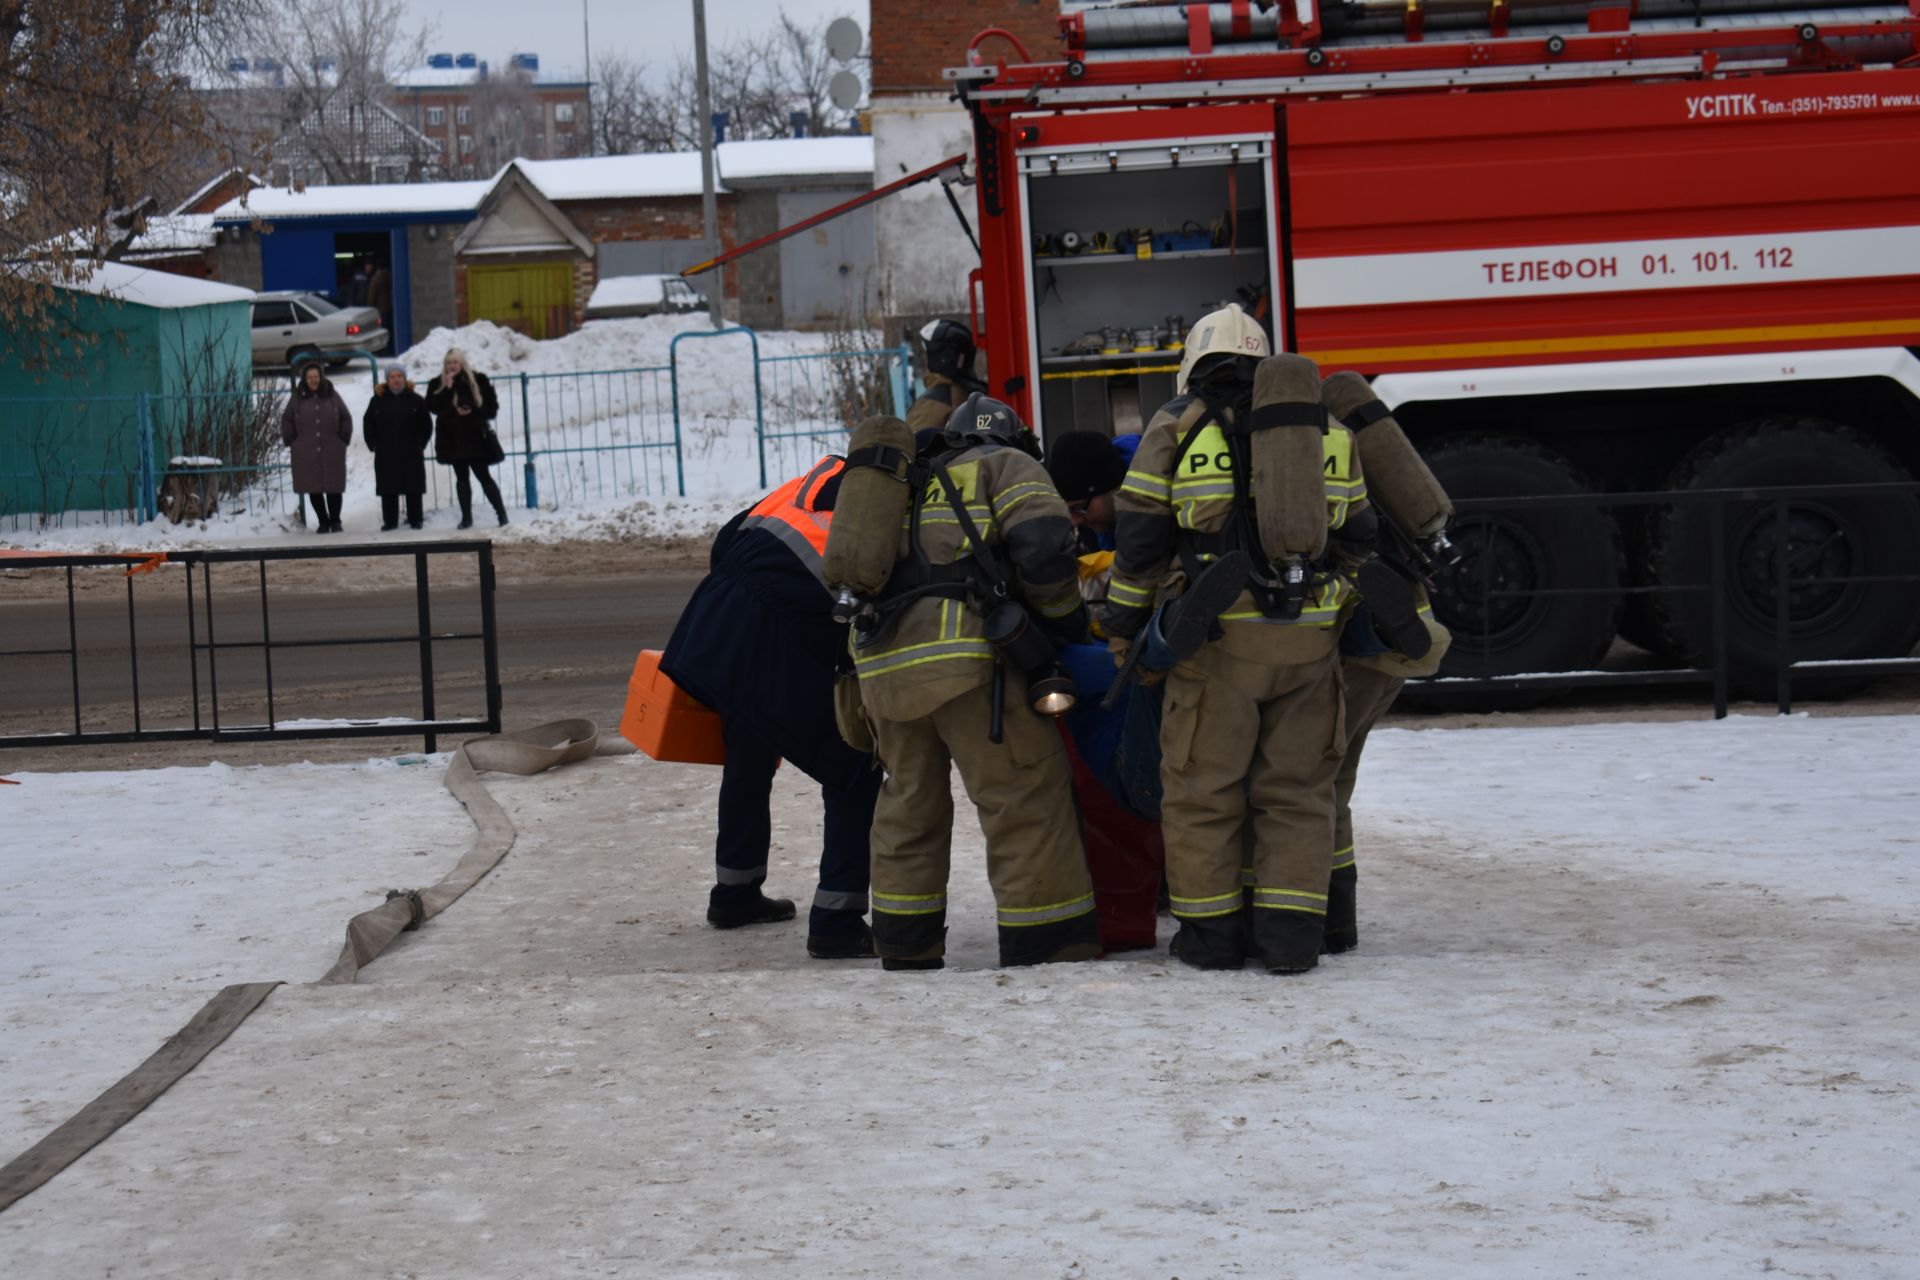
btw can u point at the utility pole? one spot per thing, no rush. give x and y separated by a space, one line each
586 49
709 206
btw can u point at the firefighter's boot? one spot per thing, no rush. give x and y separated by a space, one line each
1394 607
1288 942
1183 625
731 906
1216 943
1342 929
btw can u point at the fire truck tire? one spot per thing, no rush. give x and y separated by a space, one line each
1527 550
1829 538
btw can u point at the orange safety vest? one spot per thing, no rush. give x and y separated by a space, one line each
789 514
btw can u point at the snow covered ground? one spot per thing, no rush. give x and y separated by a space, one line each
631 495
1630 1000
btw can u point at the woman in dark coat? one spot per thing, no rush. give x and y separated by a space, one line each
397 428
318 427
464 407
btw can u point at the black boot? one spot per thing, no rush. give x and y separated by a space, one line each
1217 943
839 935
1394 608
730 906
891 965
466 520
502 513
1342 930
1187 623
1288 941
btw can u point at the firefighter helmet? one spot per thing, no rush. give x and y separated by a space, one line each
1228 334
980 419
949 348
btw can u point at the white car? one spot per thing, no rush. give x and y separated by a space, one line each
292 328
619 296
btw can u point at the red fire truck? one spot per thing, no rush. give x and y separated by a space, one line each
1671 244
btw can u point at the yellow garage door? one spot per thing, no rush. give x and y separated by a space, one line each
534 297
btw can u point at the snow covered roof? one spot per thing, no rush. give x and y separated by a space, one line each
670 173
175 233
270 203
455 77
796 157
145 288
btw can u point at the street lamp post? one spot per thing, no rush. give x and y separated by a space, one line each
709 206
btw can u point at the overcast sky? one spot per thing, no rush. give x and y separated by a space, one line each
653 31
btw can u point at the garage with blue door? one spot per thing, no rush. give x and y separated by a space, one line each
385 247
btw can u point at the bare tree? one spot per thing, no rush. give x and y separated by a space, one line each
97 113
506 119
759 82
317 98
622 124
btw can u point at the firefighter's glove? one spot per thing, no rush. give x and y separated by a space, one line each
1118 647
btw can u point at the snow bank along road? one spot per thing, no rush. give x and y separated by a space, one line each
1630 1000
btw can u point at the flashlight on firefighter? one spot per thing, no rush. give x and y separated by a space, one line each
1021 646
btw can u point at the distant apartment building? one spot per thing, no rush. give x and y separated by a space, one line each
457 117
484 116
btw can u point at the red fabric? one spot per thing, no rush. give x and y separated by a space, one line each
1126 858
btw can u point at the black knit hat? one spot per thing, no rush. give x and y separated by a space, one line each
1084 464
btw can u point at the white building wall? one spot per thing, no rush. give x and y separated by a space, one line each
924 256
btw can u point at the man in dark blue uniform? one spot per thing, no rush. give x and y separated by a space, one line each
759 645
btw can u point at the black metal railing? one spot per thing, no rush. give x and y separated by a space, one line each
1719 670
202 619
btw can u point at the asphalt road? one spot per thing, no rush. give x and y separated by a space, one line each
566 649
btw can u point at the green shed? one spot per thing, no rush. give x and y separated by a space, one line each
142 356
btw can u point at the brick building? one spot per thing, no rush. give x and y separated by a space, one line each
549 231
457 100
924 256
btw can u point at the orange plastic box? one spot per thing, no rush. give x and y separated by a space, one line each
664 722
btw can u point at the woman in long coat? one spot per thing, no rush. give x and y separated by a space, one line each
397 427
317 427
464 407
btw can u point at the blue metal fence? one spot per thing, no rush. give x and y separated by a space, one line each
811 403
570 438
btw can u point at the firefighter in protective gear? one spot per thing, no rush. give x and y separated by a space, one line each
985 527
758 644
949 347
1376 659
1252 734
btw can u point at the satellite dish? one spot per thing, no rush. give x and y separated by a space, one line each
844 90
843 39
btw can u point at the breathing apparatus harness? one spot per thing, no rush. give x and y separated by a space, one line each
1279 591
979 579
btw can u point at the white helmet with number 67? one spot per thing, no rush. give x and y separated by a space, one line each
1229 332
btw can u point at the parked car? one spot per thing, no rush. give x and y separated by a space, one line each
292 328
619 296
